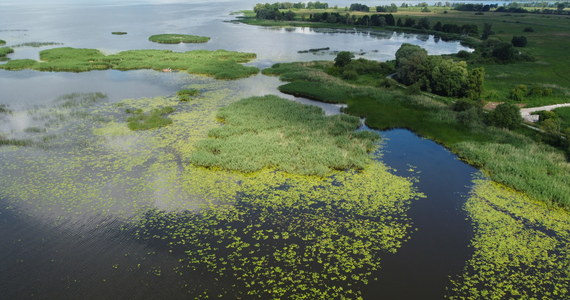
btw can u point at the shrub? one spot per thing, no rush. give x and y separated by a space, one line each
539 91
462 105
349 75
519 41
463 54
518 93
528 29
343 58
506 115
388 83
471 117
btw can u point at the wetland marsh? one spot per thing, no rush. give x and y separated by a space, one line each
150 184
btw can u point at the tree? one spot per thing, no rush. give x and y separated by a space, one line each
506 115
343 58
423 23
475 83
411 63
519 41
504 52
446 77
486 31
438 26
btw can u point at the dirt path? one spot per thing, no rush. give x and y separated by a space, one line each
526 112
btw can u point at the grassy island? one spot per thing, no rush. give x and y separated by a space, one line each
270 132
5 51
119 32
177 38
219 64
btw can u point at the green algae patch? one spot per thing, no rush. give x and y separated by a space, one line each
271 132
220 64
521 248
119 32
177 38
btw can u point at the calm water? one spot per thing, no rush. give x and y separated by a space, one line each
71 261
421 267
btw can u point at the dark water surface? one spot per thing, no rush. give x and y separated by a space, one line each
439 247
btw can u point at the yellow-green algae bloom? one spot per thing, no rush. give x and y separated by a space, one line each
521 247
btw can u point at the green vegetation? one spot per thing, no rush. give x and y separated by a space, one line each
2 42
343 59
436 74
547 37
151 120
521 248
36 44
292 237
515 158
187 94
506 115
563 114
119 32
270 132
177 38
5 51
4 109
556 125
219 64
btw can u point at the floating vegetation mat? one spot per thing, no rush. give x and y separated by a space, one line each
522 248
266 234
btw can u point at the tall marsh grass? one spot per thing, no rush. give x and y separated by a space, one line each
272 132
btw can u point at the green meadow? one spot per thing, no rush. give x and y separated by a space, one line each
220 64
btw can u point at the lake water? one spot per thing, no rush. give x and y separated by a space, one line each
71 261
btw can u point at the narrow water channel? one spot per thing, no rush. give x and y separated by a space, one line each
439 247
